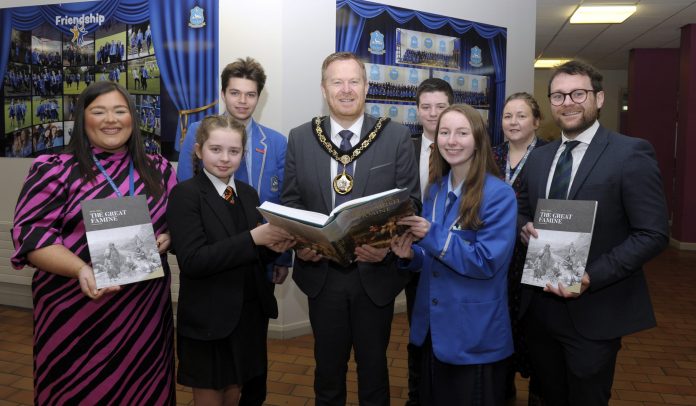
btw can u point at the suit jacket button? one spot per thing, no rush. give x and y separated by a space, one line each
435 301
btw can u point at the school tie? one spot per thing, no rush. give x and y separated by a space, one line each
345 146
228 194
451 198
431 163
561 176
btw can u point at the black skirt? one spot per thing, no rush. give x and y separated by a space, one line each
445 384
233 360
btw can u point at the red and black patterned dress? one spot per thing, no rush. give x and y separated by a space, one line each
115 350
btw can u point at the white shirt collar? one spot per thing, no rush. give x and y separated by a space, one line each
586 136
355 128
218 184
425 142
457 189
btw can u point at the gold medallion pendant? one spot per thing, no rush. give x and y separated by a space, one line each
343 183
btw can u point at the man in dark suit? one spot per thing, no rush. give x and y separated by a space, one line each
574 338
432 97
349 307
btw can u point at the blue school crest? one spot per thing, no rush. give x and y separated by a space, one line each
197 19
275 184
375 111
412 115
376 43
393 74
475 59
443 47
428 43
413 76
374 73
393 111
474 85
414 42
460 80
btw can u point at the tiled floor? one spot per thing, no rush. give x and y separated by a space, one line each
655 367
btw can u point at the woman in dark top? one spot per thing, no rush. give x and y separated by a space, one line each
521 118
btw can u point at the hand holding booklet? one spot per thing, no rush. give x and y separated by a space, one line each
369 220
121 241
561 251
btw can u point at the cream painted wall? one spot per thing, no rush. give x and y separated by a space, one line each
290 39
614 81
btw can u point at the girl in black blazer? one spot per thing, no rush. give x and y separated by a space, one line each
222 248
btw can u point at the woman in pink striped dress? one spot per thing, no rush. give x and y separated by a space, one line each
107 346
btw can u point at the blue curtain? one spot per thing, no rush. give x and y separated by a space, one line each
350 22
5 40
187 57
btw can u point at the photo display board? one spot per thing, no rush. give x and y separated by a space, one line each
52 53
402 47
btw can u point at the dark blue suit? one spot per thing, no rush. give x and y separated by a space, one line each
621 174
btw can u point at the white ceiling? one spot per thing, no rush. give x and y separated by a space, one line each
656 24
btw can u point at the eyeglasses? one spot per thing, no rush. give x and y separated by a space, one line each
577 96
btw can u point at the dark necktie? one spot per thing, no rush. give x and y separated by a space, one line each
345 147
431 163
228 194
451 198
561 176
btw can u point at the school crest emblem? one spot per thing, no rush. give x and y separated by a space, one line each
197 18
376 43
413 76
476 59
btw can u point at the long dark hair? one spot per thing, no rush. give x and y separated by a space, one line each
80 147
482 162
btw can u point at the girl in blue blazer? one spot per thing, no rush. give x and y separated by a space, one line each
465 241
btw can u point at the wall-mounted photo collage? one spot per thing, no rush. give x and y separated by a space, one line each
47 70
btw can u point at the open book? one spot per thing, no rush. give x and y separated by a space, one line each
560 253
367 220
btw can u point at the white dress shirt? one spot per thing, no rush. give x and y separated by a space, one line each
424 163
578 153
219 185
336 139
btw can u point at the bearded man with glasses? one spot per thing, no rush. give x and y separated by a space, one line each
574 338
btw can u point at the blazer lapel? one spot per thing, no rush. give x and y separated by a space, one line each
417 142
249 209
439 202
546 162
365 160
217 205
259 154
322 166
594 151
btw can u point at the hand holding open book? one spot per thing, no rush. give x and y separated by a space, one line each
369 220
